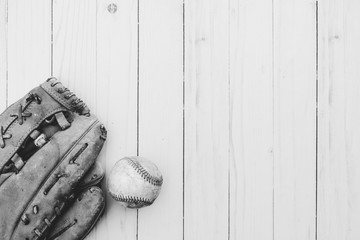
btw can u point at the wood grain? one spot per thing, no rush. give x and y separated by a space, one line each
339 116
29 45
249 108
161 113
74 47
116 103
294 119
3 54
206 120
251 120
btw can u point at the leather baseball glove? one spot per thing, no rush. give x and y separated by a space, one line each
49 142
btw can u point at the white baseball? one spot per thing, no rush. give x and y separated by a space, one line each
135 182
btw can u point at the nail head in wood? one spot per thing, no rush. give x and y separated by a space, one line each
112 8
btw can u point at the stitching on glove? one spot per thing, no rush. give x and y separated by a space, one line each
64 229
48 114
145 174
57 177
76 104
25 135
81 150
37 232
20 116
3 136
103 130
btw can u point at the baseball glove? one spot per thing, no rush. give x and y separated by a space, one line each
49 142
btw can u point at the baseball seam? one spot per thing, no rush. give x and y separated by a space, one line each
131 199
145 174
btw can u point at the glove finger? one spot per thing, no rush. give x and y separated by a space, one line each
81 216
35 196
92 177
66 221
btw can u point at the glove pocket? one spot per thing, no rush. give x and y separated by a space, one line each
80 217
20 189
78 147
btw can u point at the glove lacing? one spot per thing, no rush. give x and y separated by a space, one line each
20 117
76 103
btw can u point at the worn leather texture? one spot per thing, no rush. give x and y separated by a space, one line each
38 186
81 216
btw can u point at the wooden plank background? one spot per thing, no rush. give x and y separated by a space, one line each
249 108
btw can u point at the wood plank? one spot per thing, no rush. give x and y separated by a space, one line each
95 55
29 57
251 120
206 120
339 116
161 113
3 54
74 53
74 47
116 103
295 119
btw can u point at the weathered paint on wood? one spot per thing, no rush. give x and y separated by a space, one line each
161 113
339 115
294 119
116 103
28 46
248 107
251 121
206 133
3 54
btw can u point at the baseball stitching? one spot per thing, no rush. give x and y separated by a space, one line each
131 199
145 174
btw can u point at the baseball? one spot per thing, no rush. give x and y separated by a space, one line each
135 182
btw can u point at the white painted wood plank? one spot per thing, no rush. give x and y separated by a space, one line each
161 113
95 55
251 120
339 117
29 34
116 103
3 54
74 47
206 120
295 119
